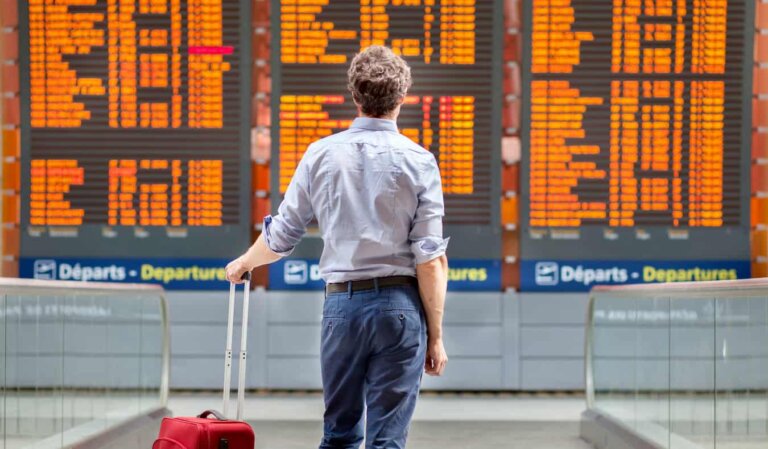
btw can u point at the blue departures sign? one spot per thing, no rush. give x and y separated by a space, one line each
464 275
580 276
171 274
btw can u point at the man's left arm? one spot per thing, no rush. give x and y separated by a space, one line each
281 232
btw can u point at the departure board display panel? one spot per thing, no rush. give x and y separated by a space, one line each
135 138
453 108
636 119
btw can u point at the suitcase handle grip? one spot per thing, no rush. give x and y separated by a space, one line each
162 443
246 276
215 414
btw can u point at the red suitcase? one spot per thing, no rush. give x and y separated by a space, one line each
202 432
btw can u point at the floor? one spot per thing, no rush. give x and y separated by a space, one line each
444 422
431 407
437 435
294 421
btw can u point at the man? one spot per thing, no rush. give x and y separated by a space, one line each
379 203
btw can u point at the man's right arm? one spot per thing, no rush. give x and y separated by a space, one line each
433 283
428 247
281 232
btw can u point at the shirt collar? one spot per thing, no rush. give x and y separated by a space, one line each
374 124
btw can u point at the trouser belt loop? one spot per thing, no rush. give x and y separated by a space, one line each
349 289
376 285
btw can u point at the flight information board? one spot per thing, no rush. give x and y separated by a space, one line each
135 137
636 130
453 109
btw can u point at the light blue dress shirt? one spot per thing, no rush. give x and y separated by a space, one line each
378 200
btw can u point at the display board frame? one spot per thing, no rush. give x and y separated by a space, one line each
221 242
731 243
468 241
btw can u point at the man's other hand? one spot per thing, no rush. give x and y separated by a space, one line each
436 357
236 269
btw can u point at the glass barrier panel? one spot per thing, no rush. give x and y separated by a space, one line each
77 359
151 352
124 337
614 336
741 373
692 371
652 367
682 365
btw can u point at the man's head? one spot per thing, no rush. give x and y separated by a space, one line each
378 81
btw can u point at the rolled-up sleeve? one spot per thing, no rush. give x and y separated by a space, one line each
426 235
284 230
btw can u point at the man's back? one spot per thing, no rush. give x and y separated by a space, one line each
376 195
378 200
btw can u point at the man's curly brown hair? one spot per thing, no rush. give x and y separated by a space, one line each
378 80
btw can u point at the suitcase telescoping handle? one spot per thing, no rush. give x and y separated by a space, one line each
243 348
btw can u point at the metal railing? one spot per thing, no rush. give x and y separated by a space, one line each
679 365
79 360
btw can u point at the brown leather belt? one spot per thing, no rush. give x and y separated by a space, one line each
370 284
